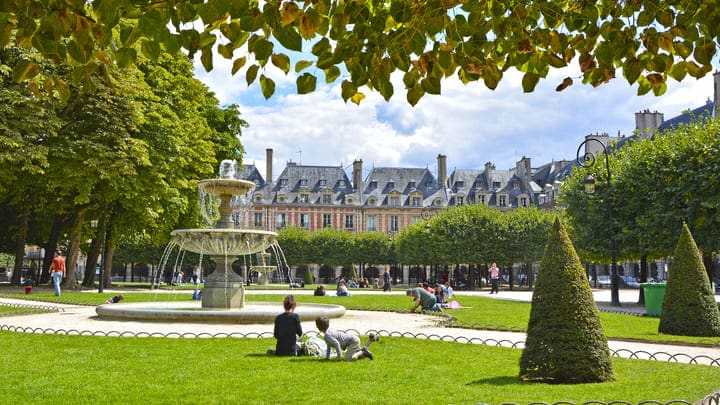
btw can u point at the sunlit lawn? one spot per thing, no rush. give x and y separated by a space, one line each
87 369
477 312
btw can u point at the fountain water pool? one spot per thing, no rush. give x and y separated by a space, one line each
223 295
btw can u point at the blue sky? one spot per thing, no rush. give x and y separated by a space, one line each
470 124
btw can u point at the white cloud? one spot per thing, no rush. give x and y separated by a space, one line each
469 124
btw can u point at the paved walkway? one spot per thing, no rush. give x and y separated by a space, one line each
83 320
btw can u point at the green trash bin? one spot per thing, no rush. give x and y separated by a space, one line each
654 294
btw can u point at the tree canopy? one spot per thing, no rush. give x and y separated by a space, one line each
363 42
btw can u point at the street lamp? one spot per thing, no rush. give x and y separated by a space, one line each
588 160
94 225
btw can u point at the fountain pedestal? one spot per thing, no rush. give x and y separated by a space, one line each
223 287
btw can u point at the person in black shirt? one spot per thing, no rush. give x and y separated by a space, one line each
287 330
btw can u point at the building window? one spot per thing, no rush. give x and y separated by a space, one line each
394 201
327 199
303 182
281 220
481 198
523 201
304 220
373 183
304 198
323 183
416 219
257 219
459 184
371 202
411 184
416 201
394 223
258 199
283 182
459 200
496 184
327 220
372 223
349 221
503 201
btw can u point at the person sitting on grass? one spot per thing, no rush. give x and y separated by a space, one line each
287 330
340 341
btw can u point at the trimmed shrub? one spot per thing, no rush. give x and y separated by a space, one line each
565 339
689 306
307 277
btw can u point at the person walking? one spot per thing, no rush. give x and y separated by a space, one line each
494 278
386 279
57 271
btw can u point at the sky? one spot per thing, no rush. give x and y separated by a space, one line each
469 124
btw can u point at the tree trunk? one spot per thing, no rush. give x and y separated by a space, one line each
50 249
643 278
73 252
108 252
91 263
20 247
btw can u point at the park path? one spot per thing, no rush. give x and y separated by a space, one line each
75 319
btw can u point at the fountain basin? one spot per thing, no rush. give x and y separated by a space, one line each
223 242
192 312
225 186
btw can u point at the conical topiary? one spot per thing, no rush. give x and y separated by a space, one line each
689 307
308 277
565 339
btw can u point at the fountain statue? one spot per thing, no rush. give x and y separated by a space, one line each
223 295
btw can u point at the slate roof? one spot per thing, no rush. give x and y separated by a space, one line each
405 181
703 113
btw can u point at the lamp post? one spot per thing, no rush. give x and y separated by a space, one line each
94 225
588 160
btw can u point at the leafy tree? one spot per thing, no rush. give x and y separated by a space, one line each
331 246
294 243
369 248
425 41
527 230
689 306
565 340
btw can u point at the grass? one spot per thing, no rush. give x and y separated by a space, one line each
90 369
479 312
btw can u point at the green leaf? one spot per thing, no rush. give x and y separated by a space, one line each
348 90
331 74
289 38
678 71
238 64
306 83
704 52
414 95
529 81
302 65
385 87
262 49
267 86
150 49
24 70
251 74
282 61
206 58
125 56
632 70
431 85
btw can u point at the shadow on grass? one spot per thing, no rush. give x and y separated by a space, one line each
496 381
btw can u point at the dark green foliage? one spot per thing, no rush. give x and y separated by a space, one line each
565 339
689 306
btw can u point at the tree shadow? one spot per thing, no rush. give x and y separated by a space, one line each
496 381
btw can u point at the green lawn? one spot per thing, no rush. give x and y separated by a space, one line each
479 312
87 369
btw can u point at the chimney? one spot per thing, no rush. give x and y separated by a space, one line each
523 169
489 173
647 123
442 170
716 99
357 174
268 165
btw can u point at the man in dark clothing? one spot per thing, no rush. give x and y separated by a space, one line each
386 279
287 330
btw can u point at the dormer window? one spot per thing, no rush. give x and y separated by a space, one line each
373 183
391 184
327 198
323 183
283 182
496 184
304 198
349 200
371 201
411 184
303 182
258 199
459 200
460 184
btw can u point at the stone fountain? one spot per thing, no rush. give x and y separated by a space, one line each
223 296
